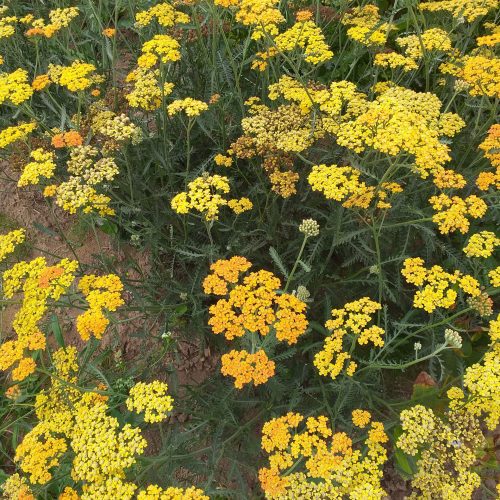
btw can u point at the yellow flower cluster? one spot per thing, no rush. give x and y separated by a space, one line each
439 287
152 399
43 165
350 321
154 492
434 39
7 23
343 184
39 452
452 212
305 35
161 48
449 179
482 74
403 121
494 276
394 60
14 87
38 283
262 15
482 380
491 145
164 14
447 451
223 161
247 367
102 293
9 241
275 134
12 134
206 195
58 19
241 205
482 244
118 128
72 195
192 107
254 305
332 468
147 93
71 419
76 77
78 192
16 487
366 26
361 418
491 148
467 9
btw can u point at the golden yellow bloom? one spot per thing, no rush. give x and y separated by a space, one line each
76 77
238 206
494 276
14 133
481 244
434 39
154 492
307 36
9 241
163 13
161 48
204 195
16 487
262 15
394 60
43 165
438 288
146 92
192 107
222 160
14 87
38 283
151 399
246 368
102 293
38 452
352 318
361 418
468 9
366 26
491 145
325 463
451 212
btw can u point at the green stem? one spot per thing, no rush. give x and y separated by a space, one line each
294 268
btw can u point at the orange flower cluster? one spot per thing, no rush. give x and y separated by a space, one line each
67 139
254 305
245 367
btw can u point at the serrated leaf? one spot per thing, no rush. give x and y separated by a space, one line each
277 260
56 330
